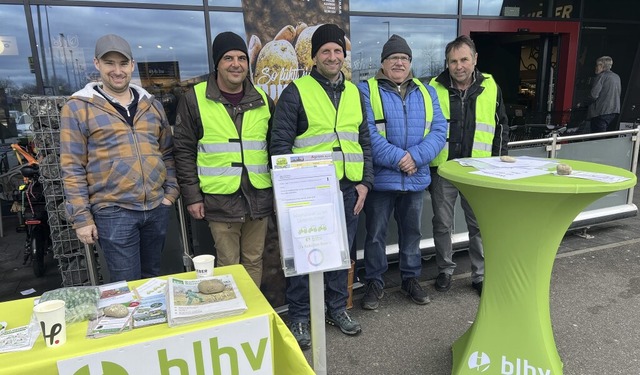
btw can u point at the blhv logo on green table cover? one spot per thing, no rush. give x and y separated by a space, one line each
107 368
481 362
239 348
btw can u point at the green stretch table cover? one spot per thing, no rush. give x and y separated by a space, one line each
522 223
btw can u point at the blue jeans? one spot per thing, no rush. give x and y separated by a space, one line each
443 200
336 293
132 241
600 124
407 211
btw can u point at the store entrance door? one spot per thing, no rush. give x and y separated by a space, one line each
532 61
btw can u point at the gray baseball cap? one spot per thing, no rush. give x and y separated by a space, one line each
112 43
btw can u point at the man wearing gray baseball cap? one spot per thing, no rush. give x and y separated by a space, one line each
112 43
116 156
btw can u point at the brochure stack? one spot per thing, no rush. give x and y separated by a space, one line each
187 305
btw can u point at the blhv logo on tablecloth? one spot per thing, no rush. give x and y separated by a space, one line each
106 368
480 362
243 347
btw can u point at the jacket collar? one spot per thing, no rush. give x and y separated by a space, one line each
214 93
383 80
445 79
339 85
87 92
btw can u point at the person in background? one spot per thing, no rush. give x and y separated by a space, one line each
116 158
310 114
221 135
472 103
407 131
604 98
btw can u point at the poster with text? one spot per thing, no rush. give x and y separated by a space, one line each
279 38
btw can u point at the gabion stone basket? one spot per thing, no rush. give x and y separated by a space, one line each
67 249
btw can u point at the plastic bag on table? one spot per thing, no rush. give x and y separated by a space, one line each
81 302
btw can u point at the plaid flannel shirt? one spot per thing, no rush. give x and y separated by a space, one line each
106 162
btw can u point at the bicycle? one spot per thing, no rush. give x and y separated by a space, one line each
35 219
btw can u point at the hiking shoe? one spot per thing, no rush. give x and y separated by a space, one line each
343 321
371 296
478 287
301 333
443 282
412 289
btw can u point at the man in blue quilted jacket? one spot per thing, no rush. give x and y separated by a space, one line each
407 131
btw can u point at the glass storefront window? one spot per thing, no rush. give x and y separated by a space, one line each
16 76
481 8
405 6
226 3
168 46
426 37
227 21
179 2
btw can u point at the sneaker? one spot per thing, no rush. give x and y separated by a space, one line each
478 287
412 288
443 282
371 296
342 320
357 284
301 333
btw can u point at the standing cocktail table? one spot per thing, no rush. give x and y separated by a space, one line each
522 223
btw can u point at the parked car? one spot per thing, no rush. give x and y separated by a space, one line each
23 123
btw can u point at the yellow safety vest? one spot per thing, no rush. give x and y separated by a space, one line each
485 118
331 130
222 152
378 110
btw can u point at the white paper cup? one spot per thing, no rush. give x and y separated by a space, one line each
204 265
50 318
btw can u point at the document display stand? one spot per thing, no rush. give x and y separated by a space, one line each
312 230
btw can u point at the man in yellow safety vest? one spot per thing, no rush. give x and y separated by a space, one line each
471 102
222 162
324 112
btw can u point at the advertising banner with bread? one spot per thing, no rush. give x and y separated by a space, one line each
279 38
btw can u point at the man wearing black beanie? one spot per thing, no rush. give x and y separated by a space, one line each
318 107
226 42
408 131
221 156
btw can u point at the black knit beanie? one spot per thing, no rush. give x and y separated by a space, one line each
327 33
225 42
395 44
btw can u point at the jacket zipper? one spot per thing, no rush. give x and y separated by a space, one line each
335 130
236 110
137 146
403 175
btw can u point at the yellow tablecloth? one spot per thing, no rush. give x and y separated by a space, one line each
287 356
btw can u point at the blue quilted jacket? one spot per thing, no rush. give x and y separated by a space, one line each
405 121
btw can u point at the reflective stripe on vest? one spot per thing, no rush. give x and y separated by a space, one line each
378 110
485 118
331 131
222 152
